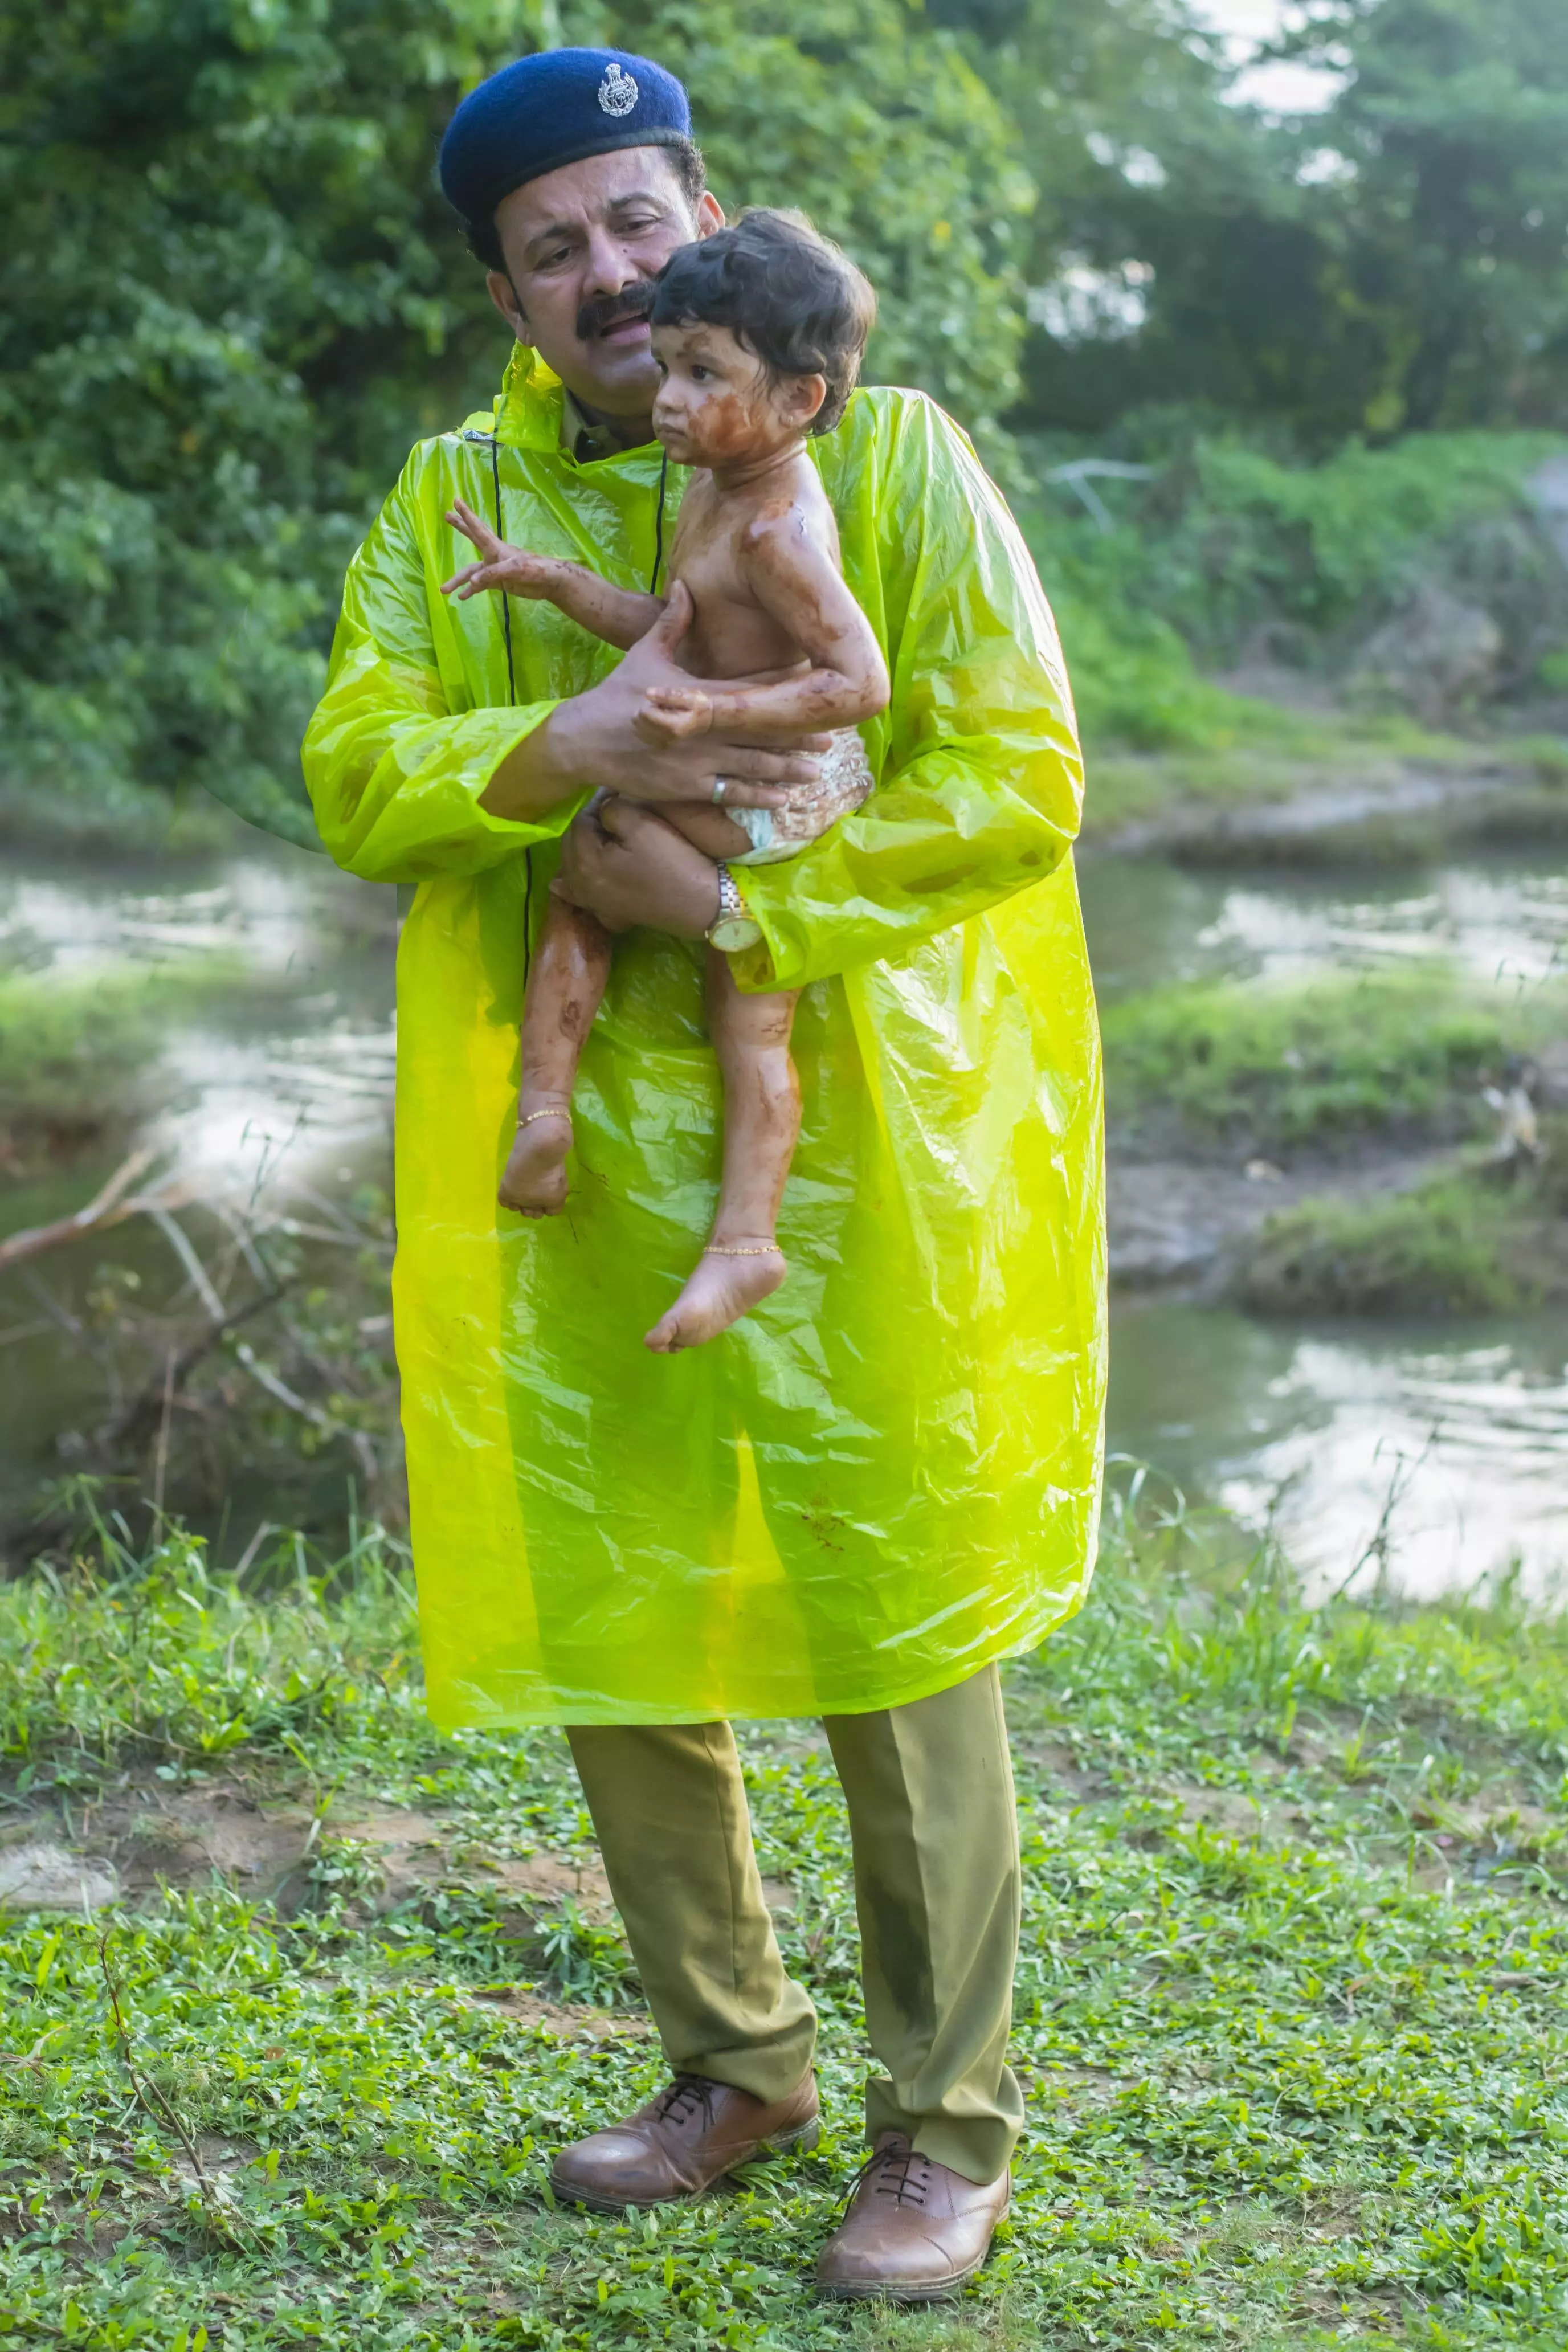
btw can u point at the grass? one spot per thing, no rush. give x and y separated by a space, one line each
1478 1240
1394 1056
1288 2007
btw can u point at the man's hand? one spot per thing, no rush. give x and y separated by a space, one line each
631 869
592 739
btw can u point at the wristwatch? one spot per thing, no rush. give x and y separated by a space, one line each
732 927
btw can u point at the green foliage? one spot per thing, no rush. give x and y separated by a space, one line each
1289 2004
1226 539
79 1053
234 297
1397 1055
1392 262
1477 1240
1252 539
1435 1251
885 133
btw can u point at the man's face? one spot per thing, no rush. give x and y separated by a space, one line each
583 246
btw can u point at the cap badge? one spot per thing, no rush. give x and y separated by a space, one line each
617 91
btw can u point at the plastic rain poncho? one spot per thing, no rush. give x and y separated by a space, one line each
887 1474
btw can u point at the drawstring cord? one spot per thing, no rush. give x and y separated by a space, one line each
659 524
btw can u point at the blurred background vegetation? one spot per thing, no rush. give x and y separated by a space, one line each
1331 346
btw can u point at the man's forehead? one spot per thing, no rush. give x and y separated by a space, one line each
588 190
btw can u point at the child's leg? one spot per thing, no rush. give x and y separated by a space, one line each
742 1263
564 988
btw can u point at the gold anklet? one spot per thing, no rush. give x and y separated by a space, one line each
718 1249
543 1114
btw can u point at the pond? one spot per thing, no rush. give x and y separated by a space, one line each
1441 1445
1444 1444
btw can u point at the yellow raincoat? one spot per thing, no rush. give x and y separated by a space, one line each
888 1474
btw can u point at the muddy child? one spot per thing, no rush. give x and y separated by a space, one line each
758 333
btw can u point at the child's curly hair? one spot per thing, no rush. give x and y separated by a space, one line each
783 291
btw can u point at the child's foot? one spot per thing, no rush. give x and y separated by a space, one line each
721 1289
534 1180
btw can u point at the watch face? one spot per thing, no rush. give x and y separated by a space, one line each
731 933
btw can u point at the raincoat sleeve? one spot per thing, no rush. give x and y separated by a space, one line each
398 751
982 780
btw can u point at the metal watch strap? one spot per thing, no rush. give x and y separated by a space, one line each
734 928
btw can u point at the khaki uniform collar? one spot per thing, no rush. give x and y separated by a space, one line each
533 410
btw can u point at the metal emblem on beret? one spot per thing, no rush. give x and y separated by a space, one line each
617 91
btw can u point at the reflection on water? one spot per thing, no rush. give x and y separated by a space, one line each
1451 1440
290 1070
1497 918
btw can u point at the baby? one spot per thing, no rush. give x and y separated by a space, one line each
758 333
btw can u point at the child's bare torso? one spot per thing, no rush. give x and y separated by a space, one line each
723 535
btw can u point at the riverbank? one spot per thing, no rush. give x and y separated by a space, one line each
1289 2011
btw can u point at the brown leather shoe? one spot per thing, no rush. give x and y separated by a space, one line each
915 2231
682 2144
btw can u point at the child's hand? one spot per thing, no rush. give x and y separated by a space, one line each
510 569
673 714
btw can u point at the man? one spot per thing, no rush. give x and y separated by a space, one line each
885 1480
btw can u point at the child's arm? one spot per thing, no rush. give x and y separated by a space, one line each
845 678
618 615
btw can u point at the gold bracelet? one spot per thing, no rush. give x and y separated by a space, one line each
543 1114
718 1249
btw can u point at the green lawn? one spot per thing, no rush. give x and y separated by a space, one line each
1289 2007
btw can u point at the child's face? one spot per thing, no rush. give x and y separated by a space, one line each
717 405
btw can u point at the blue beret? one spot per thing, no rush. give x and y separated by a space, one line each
551 108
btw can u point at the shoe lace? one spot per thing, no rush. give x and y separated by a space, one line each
901 2173
686 2095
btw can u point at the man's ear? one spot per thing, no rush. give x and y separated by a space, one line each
709 213
504 294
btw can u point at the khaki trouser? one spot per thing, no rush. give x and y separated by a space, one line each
929 1792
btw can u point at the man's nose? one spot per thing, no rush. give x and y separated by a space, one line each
609 269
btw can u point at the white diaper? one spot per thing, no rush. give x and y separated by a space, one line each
844 783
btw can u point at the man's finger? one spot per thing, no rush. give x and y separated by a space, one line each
742 764
618 818
673 622
738 796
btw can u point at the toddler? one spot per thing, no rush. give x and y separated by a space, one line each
758 333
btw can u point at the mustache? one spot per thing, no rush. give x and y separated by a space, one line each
602 311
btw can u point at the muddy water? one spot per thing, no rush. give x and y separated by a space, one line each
1440 1448
1451 1439
272 1086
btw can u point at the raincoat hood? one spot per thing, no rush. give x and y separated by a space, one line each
887 1475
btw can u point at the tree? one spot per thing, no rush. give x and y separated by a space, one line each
232 296
1395 261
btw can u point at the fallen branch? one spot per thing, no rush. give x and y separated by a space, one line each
318 1420
106 1208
